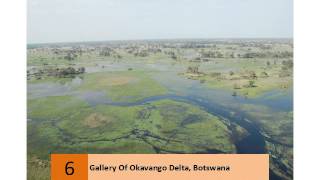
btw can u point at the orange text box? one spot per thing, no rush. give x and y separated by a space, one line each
69 166
178 166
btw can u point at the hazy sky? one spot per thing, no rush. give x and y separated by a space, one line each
98 20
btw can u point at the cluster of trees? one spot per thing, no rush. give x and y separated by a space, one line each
193 69
175 57
171 54
251 84
109 52
286 69
285 54
106 52
70 56
194 46
64 71
254 55
59 72
143 53
154 50
211 54
287 64
249 75
118 56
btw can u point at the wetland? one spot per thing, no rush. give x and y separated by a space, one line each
161 96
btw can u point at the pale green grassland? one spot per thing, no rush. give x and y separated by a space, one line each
122 86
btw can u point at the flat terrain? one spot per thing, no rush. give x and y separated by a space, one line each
168 96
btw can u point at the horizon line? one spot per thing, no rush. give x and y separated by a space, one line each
159 39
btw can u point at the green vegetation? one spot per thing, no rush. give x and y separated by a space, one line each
37 168
53 107
122 86
250 78
159 127
277 125
89 98
171 123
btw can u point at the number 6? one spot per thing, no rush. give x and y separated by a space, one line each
71 168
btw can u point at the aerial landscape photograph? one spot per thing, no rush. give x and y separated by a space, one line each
160 77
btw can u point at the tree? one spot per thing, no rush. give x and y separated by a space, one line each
252 83
81 70
70 56
253 75
193 69
268 63
174 57
264 74
219 54
232 55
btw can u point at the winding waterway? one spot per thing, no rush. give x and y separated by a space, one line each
217 102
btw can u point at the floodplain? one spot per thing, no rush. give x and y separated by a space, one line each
161 96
